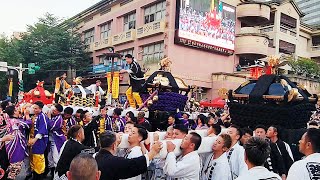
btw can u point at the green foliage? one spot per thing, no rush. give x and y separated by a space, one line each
56 48
305 66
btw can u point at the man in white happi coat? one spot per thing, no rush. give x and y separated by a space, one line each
94 88
187 165
257 151
136 136
235 155
309 167
216 166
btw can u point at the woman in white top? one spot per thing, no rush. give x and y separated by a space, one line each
216 166
136 136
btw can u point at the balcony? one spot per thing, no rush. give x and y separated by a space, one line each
252 46
151 29
266 29
315 51
102 44
288 30
124 37
253 13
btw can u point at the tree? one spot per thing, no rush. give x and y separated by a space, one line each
8 53
53 47
305 66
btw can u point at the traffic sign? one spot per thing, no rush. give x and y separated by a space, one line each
32 68
3 66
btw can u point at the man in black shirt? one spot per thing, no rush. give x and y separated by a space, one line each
71 149
283 148
136 80
113 167
275 161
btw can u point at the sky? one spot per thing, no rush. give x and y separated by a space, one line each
15 15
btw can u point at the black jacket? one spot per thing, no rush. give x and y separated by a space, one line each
114 168
136 76
71 150
90 134
277 162
285 155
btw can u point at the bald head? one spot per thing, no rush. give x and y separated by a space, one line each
83 166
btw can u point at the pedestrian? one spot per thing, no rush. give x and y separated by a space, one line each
56 137
39 142
90 128
283 148
257 151
216 165
275 161
142 121
187 165
309 167
116 123
71 149
68 119
135 138
115 168
235 154
83 166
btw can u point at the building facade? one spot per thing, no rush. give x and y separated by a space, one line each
153 29
311 8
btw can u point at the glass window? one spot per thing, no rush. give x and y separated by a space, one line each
105 31
153 53
129 22
155 12
101 60
89 36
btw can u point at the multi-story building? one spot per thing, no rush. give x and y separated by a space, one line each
205 40
312 10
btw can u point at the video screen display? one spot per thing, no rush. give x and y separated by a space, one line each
207 21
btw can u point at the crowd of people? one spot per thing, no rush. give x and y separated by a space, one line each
75 145
208 24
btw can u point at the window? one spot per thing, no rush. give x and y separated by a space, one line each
129 22
101 59
125 52
155 12
89 36
122 64
153 53
288 21
287 48
105 30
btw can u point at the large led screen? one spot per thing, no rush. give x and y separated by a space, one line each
208 24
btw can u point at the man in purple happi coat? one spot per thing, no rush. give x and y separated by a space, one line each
56 137
17 147
116 123
39 142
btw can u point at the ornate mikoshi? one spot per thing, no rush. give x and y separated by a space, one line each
38 94
272 99
164 92
80 96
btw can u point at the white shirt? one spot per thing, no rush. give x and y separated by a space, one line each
185 168
308 168
134 153
258 173
220 168
236 160
93 89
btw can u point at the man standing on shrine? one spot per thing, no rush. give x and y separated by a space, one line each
136 81
60 87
